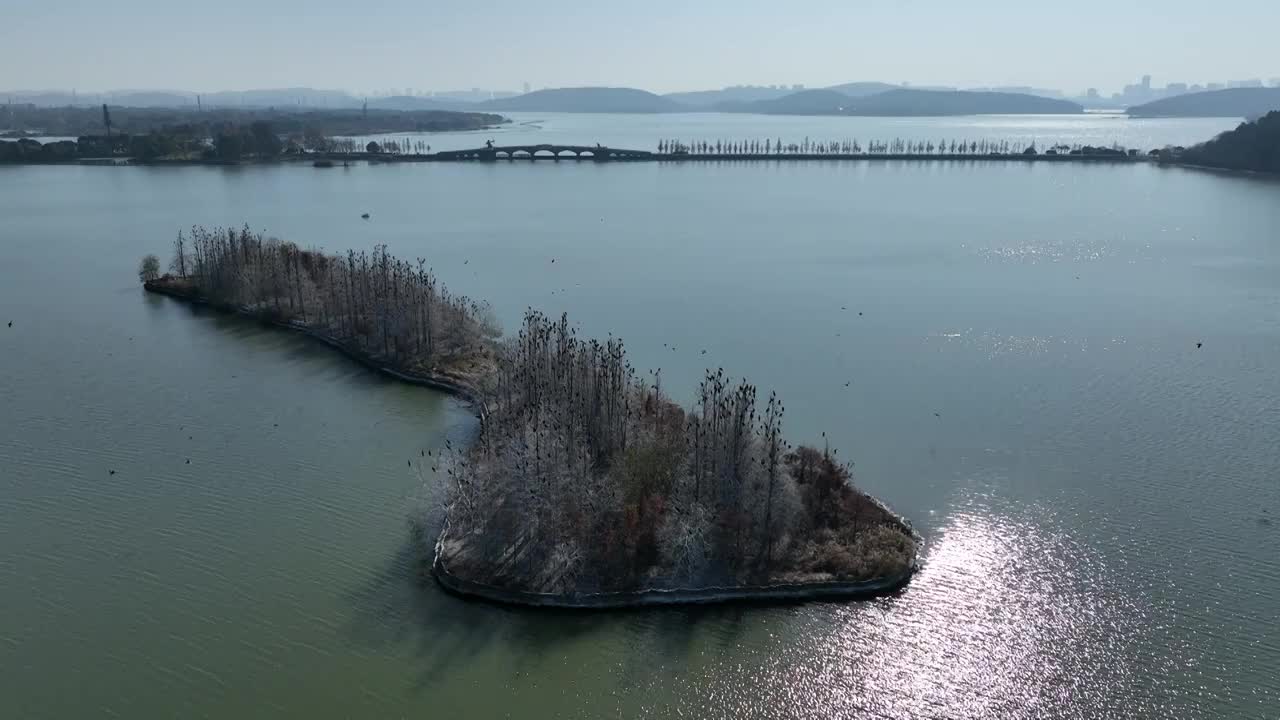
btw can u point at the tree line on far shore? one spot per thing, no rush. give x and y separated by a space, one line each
287 121
258 140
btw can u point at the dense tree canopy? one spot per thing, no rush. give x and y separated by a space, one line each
1252 146
586 478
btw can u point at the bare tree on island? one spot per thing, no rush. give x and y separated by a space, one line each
584 477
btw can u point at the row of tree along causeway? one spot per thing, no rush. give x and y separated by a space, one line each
769 149
586 485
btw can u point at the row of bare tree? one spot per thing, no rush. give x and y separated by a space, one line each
372 302
391 146
897 146
585 477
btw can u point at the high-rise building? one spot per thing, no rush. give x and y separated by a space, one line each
526 87
1146 82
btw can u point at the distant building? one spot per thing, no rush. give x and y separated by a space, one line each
526 87
1092 94
1275 82
1214 86
1146 82
798 86
1175 88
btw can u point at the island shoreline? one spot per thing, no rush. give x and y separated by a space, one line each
776 593
441 383
645 597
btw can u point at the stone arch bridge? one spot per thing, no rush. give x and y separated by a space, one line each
597 153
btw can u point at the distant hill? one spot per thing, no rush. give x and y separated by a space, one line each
705 99
732 98
862 89
411 102
804 102
906 102
144 98
1251 146
280 97
585 100
903 102
1236 102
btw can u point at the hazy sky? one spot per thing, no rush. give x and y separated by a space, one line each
660 45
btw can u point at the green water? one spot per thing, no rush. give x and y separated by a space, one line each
1099 496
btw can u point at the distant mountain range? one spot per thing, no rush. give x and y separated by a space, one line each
863 89
706 99
906 103
1236 102
857 98
850 99
960 102
804 102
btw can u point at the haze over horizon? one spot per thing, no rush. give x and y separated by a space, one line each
664 46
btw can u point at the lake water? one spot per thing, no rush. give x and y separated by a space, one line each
1100 496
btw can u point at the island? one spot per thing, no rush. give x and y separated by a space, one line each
586 486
